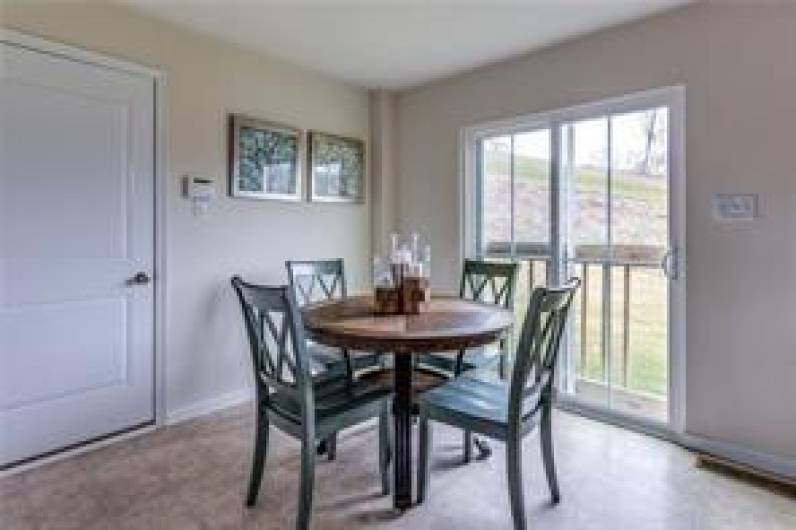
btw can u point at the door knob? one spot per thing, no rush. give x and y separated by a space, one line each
140 278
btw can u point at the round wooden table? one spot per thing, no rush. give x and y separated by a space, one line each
449 324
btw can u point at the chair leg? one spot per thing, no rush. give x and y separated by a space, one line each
423 464
385 448
331 447
468 446
484 449
514 469
546 438
306 485
503 361
258 459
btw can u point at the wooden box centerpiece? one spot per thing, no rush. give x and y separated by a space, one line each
402 288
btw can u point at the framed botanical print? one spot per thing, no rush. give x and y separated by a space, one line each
264 160
337 168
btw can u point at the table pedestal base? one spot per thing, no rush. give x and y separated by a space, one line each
402 414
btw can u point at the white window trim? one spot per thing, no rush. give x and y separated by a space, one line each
672 97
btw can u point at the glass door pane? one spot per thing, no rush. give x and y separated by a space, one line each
515 218
639 240
531 214
532 191
586 162
495 195
615 177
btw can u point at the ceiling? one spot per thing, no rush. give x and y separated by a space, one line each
397 44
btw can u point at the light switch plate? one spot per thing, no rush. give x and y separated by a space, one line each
735 207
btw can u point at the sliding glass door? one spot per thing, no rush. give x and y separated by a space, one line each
593 192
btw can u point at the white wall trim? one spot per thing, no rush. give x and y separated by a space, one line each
159 78
161 236
223 401
773 464
75 53
76 451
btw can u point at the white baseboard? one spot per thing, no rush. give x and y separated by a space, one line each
86 447
229 399
773 464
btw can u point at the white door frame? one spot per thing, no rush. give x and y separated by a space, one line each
38 44
674 98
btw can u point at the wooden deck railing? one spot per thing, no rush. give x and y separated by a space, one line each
627 259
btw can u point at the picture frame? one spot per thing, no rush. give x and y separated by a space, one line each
337 166
265 160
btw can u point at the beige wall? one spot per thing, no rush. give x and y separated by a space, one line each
739 68
206 355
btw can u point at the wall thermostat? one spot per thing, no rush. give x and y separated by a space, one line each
201 191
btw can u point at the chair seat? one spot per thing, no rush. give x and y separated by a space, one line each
471 396
474 403
333 399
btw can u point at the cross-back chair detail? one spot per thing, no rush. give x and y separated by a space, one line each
319 280
508 411
538 348
276 341
288 395
489 282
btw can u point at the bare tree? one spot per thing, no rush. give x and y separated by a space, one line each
649 126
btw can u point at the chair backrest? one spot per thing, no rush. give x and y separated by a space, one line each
276 340
489 281
538 348
315 281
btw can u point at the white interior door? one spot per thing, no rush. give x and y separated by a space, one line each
76 224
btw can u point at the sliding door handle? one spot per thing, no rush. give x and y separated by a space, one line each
669 264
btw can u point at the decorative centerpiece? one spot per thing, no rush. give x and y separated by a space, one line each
401 283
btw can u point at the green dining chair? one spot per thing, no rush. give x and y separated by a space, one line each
288 397
318 281
490 282
507 412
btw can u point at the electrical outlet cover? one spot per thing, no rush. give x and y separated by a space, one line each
735 207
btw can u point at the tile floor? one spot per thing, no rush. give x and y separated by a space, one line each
192 476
